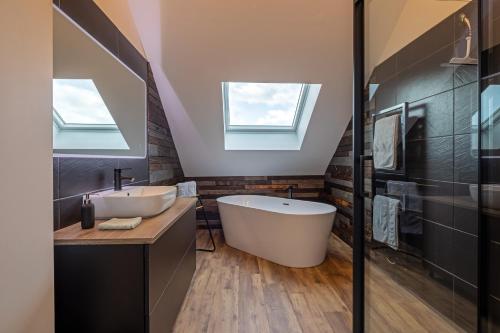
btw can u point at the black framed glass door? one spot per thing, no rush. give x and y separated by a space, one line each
418 239
486 123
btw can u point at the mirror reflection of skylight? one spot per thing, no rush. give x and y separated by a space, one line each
77 101
262 105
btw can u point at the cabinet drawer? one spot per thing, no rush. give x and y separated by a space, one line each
163 317
99 289
166 253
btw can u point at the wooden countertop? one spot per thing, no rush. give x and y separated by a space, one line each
147 232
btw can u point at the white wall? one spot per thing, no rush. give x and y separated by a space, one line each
26 245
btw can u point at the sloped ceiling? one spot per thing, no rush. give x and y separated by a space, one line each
195 45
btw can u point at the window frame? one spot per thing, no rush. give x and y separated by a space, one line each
64 126
263 128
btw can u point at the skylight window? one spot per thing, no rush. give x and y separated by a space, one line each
77 102
263 106
267 116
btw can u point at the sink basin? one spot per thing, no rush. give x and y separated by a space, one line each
133 201
491 195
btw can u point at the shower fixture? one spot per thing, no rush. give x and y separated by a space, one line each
467 60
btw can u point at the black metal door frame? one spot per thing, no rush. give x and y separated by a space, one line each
482 253
358 175
358 180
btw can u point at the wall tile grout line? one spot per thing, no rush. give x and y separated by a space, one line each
451 274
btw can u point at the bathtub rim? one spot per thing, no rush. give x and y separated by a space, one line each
333 211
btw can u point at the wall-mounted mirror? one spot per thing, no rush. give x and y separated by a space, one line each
99 104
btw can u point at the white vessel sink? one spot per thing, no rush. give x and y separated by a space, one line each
133 201
491 195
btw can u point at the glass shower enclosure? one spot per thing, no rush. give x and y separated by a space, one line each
426 166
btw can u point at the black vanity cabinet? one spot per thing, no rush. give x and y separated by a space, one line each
125 281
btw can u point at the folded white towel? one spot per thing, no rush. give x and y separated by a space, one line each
385 220
186 189
385 143
120 224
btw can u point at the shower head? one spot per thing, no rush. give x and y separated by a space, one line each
467 59
463 19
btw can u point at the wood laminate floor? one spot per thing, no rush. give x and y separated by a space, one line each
233 291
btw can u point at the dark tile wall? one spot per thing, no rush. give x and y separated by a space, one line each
73 177
210 188
439 158
441 99
77 176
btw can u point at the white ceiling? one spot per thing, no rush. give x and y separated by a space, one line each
195 45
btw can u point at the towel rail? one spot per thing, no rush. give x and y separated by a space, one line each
393 109
400 173
404 199
413 179
403 209
403 109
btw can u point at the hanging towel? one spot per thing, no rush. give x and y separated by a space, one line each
385 220
120 224
187 189
385 143
410 221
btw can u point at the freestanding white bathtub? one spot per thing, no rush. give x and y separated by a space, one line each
288 232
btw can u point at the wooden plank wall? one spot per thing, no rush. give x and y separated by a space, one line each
338 184
210 188
164 165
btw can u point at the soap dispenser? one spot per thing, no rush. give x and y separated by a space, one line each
88 213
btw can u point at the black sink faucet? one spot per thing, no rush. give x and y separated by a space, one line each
118 178
290 192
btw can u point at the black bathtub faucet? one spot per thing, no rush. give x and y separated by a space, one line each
118 178
290 192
